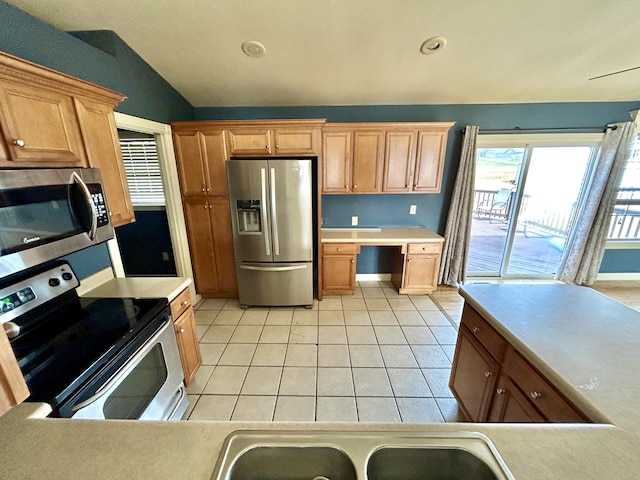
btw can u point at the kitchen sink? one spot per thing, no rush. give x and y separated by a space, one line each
289 455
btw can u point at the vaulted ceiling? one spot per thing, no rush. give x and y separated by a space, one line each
367 52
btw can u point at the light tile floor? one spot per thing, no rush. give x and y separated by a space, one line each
376 356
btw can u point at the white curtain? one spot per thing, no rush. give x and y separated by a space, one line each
582 256
458 229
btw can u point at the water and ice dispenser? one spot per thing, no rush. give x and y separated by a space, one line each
249 220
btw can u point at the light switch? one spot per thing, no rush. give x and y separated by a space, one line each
412 210
354 220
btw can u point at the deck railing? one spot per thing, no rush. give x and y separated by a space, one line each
625 221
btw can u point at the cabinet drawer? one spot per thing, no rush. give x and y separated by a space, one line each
541 394
339 248
181 303
424 247
484 333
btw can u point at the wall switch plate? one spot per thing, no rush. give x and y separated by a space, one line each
412 209
354 221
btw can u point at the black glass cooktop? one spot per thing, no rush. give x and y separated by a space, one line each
59 351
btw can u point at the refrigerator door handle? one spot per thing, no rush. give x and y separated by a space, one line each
267 240
273 269
274 213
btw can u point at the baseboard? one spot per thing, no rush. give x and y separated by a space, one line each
373 277
618 276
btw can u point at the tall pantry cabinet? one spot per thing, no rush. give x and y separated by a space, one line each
201 154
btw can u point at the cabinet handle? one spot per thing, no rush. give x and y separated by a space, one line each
181 330
535 395
500 391
19 142
475 329
488 373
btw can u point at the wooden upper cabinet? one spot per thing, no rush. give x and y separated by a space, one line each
336 154
296 141
249 142
201 156
100 134
432 146
399 161
40 127
275 138
368 157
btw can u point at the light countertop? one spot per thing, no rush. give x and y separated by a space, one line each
140 287
34 447
380 235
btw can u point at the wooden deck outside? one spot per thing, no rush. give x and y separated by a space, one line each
531 254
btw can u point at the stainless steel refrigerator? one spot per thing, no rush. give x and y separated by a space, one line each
271 213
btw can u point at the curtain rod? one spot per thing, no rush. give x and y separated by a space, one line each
519 129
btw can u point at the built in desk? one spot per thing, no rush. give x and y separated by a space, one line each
416 260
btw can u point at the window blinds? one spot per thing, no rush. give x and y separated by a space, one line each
143 172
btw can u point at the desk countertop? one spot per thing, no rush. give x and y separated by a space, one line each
380 235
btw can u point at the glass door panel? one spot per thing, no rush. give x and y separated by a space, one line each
549 200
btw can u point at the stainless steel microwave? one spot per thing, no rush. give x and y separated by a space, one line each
47 213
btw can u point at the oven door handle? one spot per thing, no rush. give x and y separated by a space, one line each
87 197
124 370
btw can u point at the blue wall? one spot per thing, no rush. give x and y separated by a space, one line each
432 209
120 69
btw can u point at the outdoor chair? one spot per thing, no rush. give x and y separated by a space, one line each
497 207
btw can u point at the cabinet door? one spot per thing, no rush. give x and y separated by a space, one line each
100 134
336 156
430 162
40 127
295 141
188 346
249 142
368 161
13 389
509 405
215 153
220 217
421 272
190 160
473 377
338 272
203 258
399 161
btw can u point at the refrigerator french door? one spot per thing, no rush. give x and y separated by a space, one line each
271 214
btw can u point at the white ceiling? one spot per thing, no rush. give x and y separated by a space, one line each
367 52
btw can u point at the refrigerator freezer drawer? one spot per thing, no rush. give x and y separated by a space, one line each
274 284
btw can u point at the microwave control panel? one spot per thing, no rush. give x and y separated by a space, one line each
101 205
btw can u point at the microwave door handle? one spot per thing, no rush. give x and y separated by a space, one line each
87 197
265 224
126 368
274 213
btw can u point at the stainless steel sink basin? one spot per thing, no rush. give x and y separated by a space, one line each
270 455
427 463
292 463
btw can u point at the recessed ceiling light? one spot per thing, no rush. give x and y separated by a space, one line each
253 48
433 45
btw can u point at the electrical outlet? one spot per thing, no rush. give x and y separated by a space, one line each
165 256
354 221
412 209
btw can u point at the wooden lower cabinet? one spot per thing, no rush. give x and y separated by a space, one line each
186 335
492 382
339 268
211 244
13 388
473 376
417 272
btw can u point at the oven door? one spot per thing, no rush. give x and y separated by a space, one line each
148 386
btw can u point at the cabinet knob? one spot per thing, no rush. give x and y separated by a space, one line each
186 302
203 189
353 261
500 391
409 261
355 186
488 373
346 186
277 146
339 249
19 142
206 205
181 330
208 189
535 395
475 329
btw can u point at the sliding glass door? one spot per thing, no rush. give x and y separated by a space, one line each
528 192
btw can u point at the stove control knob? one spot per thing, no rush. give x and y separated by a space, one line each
7 307
67 276
11 329
54 282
